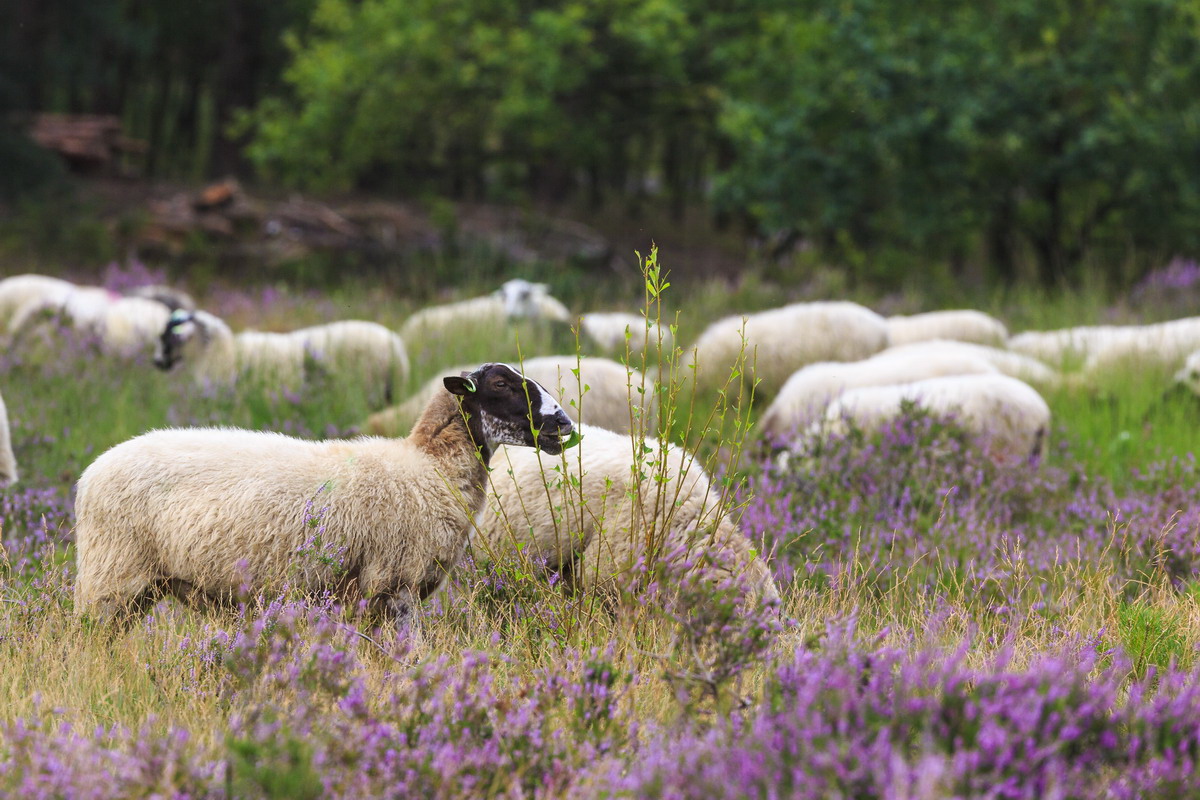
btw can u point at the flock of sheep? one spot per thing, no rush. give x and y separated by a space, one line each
202 512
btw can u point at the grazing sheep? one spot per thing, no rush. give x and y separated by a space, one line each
1165 345
515 300
806 394
21 290
1059 347
609 331
8 461
781 341
963 325
364 349
606 402
205 511
1012 364
534 507
1010 416
122 326
1102 348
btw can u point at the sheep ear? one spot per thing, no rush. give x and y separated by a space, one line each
459 385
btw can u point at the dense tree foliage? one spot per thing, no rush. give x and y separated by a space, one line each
1057 133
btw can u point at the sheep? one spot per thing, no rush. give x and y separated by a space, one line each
1012 364
609 331
8 461
1102 348
1060 347
21 290
1009 416
962 325
216 355
780 341
515 300
122 326
804 397
605 403
204 511
1165 345
586 516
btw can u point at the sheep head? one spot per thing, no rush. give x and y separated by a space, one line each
505 407
180 328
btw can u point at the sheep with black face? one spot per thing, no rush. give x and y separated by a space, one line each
205 511
205 345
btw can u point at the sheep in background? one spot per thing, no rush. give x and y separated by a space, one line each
806 394
1059 347
534 507
1164 345
780 341
1009 416
516 299
963 325
122 326
204 511
20 290
608 332
1189 374
1012 364
366 350
605 403
8 461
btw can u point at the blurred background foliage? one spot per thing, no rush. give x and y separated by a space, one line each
1053 140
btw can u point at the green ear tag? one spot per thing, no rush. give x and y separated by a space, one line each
470 384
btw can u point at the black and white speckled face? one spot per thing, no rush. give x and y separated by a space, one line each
181 327
508 408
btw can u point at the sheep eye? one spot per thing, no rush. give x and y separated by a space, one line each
501 385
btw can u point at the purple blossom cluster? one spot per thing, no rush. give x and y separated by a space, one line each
920 498
849 720
310 709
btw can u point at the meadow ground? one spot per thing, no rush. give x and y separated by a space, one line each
949 627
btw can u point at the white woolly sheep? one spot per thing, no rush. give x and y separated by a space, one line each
515 300
610 330
8 461
366 350
202 512
963 325
605 403
123 326
21 290
1164 345
1009 416
806 394
781 341
587 517
1059 347
1015 365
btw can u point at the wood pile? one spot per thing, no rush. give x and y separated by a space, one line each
265 232
90 143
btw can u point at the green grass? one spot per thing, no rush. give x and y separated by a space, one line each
69 412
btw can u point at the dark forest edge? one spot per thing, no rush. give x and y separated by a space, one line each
1023 141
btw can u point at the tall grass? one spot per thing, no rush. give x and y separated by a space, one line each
925 594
